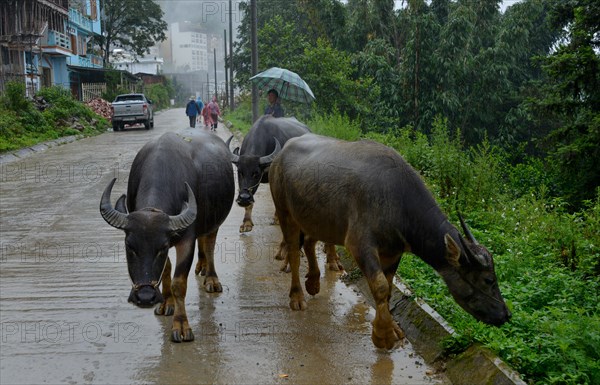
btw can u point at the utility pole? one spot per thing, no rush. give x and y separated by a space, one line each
254 44
215 56
225 65
231 101
208 99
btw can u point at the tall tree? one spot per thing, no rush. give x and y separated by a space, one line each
570 98
135 25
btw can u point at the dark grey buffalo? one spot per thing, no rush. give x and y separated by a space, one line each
365 196
179 191
259 148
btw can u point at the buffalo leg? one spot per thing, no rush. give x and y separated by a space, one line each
168 305
333 259
181 331
313 276
385 330
247 223
211 280
201 264
390 266
291 236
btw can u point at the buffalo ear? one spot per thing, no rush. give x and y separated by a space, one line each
121 204
453 251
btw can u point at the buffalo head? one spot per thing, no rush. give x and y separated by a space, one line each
251 169
148 235
471 279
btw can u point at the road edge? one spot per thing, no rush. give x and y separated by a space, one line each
426 329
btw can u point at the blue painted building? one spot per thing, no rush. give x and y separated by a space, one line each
65 53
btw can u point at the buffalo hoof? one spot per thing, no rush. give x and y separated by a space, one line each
312 285
212 285
387 338
166 310
246 227
200 270
186 336
285 267
335 266
298 303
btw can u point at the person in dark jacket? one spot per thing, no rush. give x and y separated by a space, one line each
274 108
192 110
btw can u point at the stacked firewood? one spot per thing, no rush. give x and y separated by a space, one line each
101 107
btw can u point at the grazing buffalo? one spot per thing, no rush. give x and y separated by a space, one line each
179 191
365 196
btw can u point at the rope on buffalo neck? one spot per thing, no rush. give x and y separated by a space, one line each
254 186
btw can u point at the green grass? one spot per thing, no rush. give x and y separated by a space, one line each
22 125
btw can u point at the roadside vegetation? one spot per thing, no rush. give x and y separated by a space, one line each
547 257
499 112
55 114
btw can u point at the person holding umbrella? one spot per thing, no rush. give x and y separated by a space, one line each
282 84
274 108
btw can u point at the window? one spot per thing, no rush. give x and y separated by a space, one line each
94 6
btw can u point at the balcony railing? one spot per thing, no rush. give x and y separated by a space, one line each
59 40
89 61
82 21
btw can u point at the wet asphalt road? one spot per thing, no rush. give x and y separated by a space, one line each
64 287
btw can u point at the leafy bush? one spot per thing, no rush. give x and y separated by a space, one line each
160 94
335 125
22 124
547 259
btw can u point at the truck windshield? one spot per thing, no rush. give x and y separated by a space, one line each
126 98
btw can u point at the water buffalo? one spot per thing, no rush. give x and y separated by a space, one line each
364 196
259 147
179 191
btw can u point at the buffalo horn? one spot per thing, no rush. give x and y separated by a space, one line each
228 142
233 156
267 159
470 236
187 215
110 215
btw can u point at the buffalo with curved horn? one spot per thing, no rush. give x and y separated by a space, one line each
364 196
259 148
179 193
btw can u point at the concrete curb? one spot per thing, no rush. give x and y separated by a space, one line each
426 329
12 156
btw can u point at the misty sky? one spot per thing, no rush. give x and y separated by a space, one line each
214 13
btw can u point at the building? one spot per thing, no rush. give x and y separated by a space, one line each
189 56
150 63
47 42
23 23
188 47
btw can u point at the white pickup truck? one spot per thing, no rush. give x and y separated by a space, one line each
131 109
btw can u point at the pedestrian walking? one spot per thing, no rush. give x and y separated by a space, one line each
215 112
200 108
192 110
206 116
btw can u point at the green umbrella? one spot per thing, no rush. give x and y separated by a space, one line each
288 84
